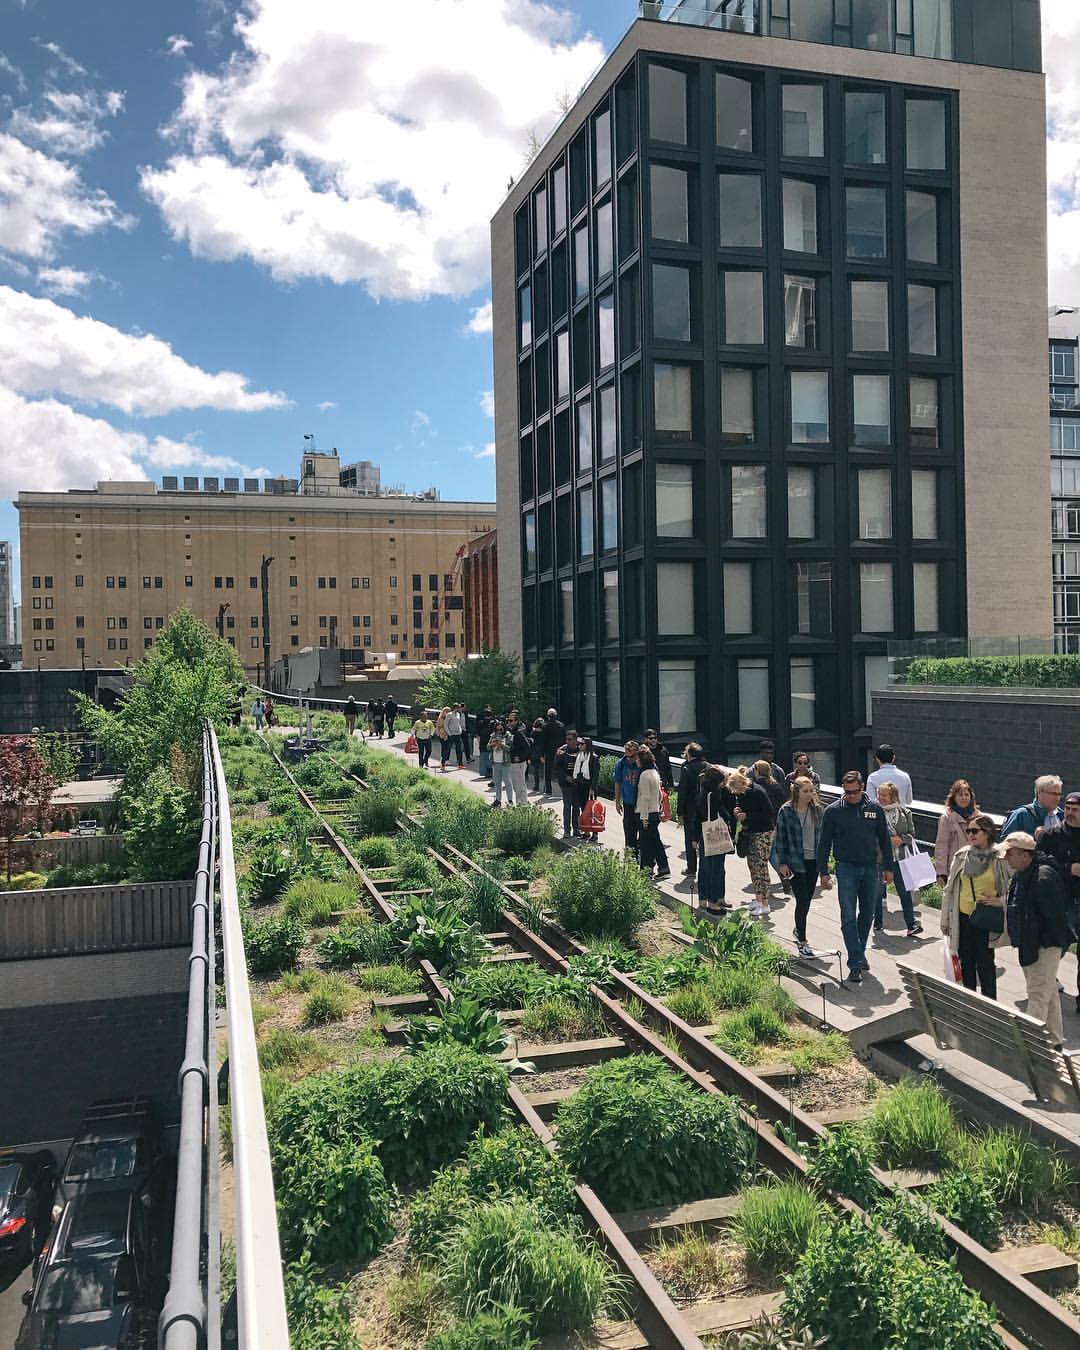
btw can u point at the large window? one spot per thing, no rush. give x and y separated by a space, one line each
607 423
926 148
809 407
671 302
589 702
525 311
609 515
926 597
875 504
925 413
605 330
813 598
566 613
736 404
744 308
605 250
864 128
540 205
800 216
876 597
801 502
748 506
677 689
558 199
581 262
740 210
734 113
875 676
871 25
669 203
667 105
933 28
601 148
738 598
528 547
675 599
753 677
609 605
800 311
867 232
871 407
584 436
674 501
585 523
562 364
869 316
803 697
811 20
804 120
922 227
1064 434
613 697
673 399
924 504
922 320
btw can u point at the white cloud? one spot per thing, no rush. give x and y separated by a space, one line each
364 142
64 280
8 67
47 349
68 62
177 44
1061 48
41 199
69 122
488 451
487 402
421 421
326 405
480 322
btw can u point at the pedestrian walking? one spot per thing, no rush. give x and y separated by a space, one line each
271 715
499 751
1038 816
977 876
1035 920
854 831
520 752
351 713
390 712
902 835
888 771
713 803
689 781
663 760
753 813
455 728
586 774
767 752
536 759
377 711
960 808
1062 846
626 776
651 846
777 792
565 758
485 725
423 729
258 711
794 851
802 768
554 738
442 735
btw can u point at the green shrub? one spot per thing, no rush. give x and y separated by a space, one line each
913 1126
839 1161
1018 1171
320 1316
94 874
503 1255
517 868
605 785
641 1135
911 1220
391 979
1038 672
377 811
506 1329
462 821
330 1001
932 1309
522 829
284 1048
693 1004
502 985
735 940
370 943
967 1201
558 1018
273 943
414 869
776 1222
430 930
482 901
462 1020
376 851
316 902
741 1033
333 1201
597 892
282 799
269 873
26 881
162 834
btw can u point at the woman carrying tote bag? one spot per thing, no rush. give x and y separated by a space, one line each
902 831
973 900
717 833
794 851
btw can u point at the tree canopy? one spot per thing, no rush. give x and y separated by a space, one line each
494 678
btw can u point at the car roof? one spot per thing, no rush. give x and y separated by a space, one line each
136 1110
94 1223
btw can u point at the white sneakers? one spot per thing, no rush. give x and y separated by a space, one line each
758 911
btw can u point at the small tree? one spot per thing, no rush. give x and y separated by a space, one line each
60 754
494 678
26 789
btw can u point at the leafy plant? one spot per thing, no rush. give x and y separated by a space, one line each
483 901
438 932
495 677
273 943
161 835
320 1316
329 1001
27 881
501 985
913 1126
771 1334
269 873
911 1220
368 942
316 902
504 1329
463 822
377 850
415 869
333 1201
93 874
1047 672
693 1004
597 892
1020 1172
376 811
735 940
776 1222
558 1018
462 1020
391 979
521 829
839 1162
517 868
967 1201
644 1136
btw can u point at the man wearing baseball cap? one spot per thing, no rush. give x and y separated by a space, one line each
1063 846
1035 915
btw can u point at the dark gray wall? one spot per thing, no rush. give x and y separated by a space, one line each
999 739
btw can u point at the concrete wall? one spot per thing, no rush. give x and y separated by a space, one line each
999 739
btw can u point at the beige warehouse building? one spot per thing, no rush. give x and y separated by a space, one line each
353 567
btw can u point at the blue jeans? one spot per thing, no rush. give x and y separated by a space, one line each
485 764
904 895
858 887
501 776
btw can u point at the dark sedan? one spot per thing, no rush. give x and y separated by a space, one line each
117 1148
26 1189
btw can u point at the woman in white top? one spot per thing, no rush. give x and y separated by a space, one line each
647 807
586 777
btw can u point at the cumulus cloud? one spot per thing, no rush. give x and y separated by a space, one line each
177 44
480 322
47 349
68 121
487 402
64 280
42 199
1061 43
326 405
366 143
488 451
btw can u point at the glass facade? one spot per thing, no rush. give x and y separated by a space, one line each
1065 486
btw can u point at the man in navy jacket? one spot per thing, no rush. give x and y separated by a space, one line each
855 831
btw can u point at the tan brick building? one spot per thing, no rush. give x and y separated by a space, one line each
103 568
479 561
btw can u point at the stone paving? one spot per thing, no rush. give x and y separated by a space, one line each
845 1005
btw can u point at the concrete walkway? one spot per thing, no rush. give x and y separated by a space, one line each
816 984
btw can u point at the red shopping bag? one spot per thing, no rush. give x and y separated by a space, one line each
951 963
410 745
591 819
665 805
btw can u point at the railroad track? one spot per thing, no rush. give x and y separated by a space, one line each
763 1109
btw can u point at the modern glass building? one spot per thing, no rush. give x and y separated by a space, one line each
1065 472
760 402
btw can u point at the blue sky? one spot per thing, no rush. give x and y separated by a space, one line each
223 225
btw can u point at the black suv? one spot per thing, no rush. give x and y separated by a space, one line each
26 1191
116 1148
96 1286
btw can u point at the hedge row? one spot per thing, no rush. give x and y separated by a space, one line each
1039 672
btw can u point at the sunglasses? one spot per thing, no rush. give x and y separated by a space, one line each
975 831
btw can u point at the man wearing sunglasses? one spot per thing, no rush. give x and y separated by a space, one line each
1062 846
854 829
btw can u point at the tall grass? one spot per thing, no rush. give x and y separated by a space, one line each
776 1222
913 1126
1020 1172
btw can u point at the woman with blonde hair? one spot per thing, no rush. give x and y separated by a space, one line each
749 805
960 808
794 851
902 834
443 737
977 876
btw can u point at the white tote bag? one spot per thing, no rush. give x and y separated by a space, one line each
715 835
917 869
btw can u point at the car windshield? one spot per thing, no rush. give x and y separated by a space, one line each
79 1288
103 1159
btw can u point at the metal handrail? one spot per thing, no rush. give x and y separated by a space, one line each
260 1286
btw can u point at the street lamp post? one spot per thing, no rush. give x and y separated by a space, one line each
264 578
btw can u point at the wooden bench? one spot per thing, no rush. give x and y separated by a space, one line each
960 1019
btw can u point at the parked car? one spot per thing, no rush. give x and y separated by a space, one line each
96 1287
26 1192
88 826
117 1147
